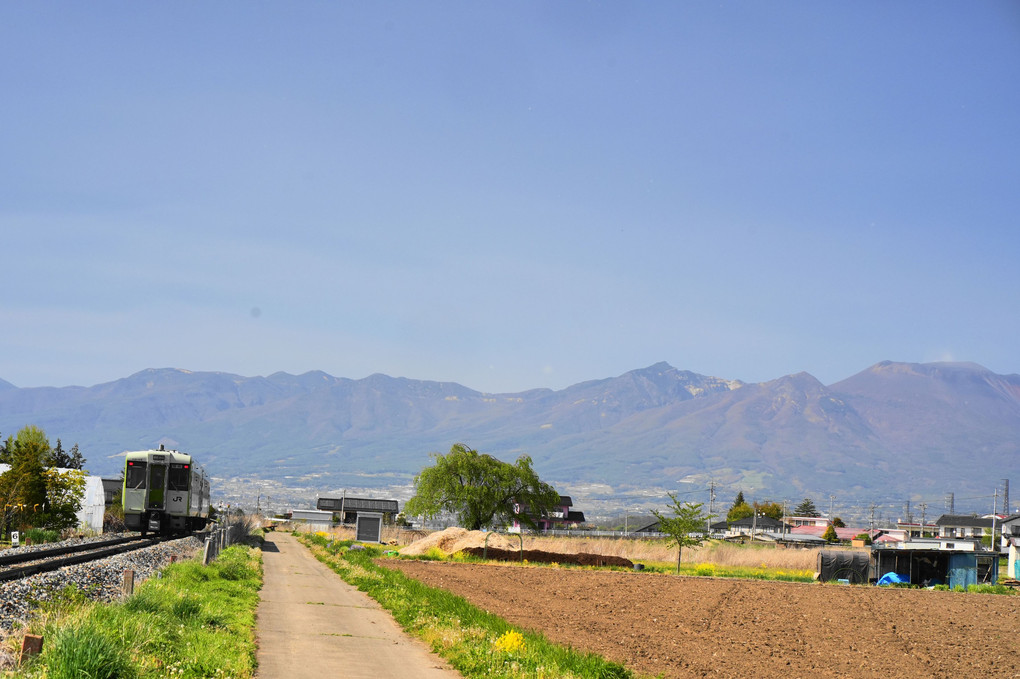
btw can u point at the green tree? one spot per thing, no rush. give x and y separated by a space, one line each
830 535
64 494
481 490
65 460
739 500
77 459
838 522
773 510
739 511
686 525
23 487
806 508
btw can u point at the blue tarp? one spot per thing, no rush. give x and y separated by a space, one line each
894 579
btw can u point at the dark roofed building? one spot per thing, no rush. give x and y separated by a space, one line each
349 507
963 526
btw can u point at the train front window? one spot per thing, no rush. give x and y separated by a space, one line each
157 477
134 479
179 476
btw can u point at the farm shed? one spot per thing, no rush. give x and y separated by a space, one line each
314 518
935 562
843 565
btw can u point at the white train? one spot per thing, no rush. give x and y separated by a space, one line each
165 492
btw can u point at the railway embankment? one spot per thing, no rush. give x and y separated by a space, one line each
185 620
100 581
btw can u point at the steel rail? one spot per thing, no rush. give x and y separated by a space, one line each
83 556
22 557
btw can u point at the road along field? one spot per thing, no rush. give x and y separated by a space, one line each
696 627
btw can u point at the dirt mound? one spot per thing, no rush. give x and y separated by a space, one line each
538 556
456 539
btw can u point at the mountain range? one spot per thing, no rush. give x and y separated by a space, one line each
894 429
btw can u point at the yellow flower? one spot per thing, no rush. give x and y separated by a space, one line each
510 642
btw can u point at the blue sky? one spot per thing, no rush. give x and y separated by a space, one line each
507 195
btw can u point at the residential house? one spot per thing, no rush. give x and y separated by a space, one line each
559 518
752 526
807 521
958 526
914 529
846 534
1011 545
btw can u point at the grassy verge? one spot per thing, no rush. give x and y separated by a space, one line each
476 643
194 621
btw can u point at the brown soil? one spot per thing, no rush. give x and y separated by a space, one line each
694 627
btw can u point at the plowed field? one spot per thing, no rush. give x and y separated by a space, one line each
696 627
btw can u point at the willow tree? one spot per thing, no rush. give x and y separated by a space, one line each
481 490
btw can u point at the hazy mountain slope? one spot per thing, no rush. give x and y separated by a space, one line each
897 428
939 414
786 433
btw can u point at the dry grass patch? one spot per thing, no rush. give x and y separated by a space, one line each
661 551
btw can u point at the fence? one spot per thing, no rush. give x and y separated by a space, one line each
218 540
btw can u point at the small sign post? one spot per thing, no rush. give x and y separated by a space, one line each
15 538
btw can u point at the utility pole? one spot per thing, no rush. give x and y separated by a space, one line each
711 505
831 498
991 540
924 513
871 530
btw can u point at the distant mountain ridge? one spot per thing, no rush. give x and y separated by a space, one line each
892 428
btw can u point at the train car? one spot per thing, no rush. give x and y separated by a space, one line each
165 492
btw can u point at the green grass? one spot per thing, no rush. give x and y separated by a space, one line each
476 643
195 621
38 536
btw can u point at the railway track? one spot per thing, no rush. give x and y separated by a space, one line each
44 560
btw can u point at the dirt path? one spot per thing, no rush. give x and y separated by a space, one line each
695 627
313 625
